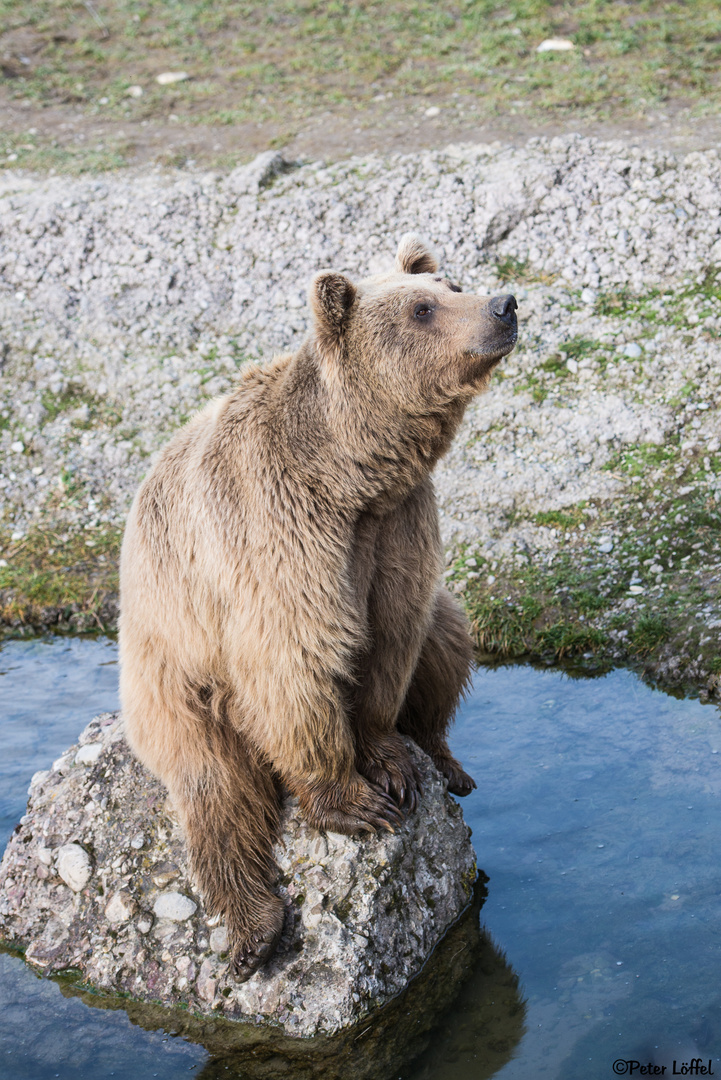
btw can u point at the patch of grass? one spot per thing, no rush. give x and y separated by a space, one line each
649 632
638 460
504 627
90 411
569 639
510 269
52 577
288 58
569 518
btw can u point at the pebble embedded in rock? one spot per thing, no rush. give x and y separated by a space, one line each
163 873
74 866
121 907
89 754
219 940
174 906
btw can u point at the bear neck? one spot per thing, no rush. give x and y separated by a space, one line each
367 451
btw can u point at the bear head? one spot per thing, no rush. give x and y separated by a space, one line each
410 334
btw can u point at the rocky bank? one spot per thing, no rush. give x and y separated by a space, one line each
95 879
579 503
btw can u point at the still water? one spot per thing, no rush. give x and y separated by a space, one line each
596 819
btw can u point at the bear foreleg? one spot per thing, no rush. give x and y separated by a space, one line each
440 680
230 814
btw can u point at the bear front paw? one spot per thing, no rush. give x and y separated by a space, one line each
352 809
251 947
389 766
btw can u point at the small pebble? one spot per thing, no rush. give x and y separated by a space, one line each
167 78
174 906
74 866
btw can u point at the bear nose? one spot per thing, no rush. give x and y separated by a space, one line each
504 308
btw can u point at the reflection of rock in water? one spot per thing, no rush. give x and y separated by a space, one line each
487 1023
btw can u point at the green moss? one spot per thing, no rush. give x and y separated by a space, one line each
638 460
54 575
342 910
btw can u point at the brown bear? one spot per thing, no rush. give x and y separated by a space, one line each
282 619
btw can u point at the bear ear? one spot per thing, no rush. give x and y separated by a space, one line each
331 298
413 257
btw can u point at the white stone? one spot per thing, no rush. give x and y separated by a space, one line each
121 907
134 91
63 764
589 296
74 866
555 45
174 906
38 778
606 545
633 351
167 78
433 110
89 754
17 447
572 365
219 940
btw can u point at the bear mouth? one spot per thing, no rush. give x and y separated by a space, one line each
495 355
486 359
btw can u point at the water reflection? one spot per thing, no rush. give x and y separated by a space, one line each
481 1026
597 820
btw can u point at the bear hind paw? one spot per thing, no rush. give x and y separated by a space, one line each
459 782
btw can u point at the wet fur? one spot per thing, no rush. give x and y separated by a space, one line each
281 613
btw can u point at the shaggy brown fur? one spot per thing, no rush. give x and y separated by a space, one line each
281 614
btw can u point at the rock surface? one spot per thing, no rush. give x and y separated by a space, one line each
94 878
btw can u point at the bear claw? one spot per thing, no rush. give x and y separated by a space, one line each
253 953
389 767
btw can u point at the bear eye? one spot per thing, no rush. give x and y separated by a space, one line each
422 311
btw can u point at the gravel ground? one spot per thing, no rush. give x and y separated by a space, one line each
591 468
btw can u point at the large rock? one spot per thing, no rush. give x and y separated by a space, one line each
95 878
